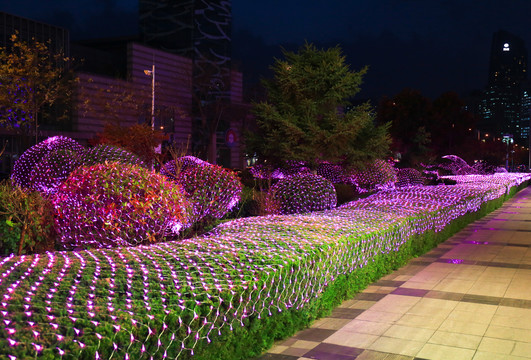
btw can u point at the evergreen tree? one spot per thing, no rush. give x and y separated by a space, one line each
306 116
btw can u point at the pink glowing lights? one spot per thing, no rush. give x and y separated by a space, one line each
162 300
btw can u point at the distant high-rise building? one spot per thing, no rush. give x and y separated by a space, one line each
502 102
525 113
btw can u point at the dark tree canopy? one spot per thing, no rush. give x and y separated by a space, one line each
424 130
305 116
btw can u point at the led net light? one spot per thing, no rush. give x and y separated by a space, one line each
172 168
161 301
211 189
115 204
300 194
24 169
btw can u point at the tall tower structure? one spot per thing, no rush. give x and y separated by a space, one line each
197 29
503 96
200 30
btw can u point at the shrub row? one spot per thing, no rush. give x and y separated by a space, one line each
230 293
106 197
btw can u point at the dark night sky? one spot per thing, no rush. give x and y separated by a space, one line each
430 45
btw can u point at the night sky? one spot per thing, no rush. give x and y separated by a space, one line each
429 45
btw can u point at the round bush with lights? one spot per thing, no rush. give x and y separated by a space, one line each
24 167
409 177
53 170
301 194
376 176
211 189
114 204
102 153
333 172
173 168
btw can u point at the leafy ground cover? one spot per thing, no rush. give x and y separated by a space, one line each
229 293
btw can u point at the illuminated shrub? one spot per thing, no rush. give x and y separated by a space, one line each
377 175
211 189
24 167
173 168
457 166
333 172
290 168
102 153
409 177
261 171
300 194
26 221
53 170
116 204
484 168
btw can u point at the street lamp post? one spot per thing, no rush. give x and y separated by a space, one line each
152 74
508 139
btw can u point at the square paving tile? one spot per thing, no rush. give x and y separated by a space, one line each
330 323
395 303
372 355
508 333
351 339
366 327
397 346
362 304
455 340
477 307
522 349
370 296
470 316
496 346
313 334
345 313
304 344
326 351
293 351
424 322
409 333
379 316
454 285
481 299
443 295
512 321
410 292
463 327
443 352
488 288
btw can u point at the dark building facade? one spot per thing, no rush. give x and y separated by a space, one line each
189 44
502 100
27 29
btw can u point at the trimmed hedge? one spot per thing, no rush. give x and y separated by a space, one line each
228 294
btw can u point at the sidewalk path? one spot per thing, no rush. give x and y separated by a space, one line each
469 298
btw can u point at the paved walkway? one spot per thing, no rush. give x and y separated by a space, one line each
470 298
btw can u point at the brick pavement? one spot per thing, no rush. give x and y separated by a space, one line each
467 299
